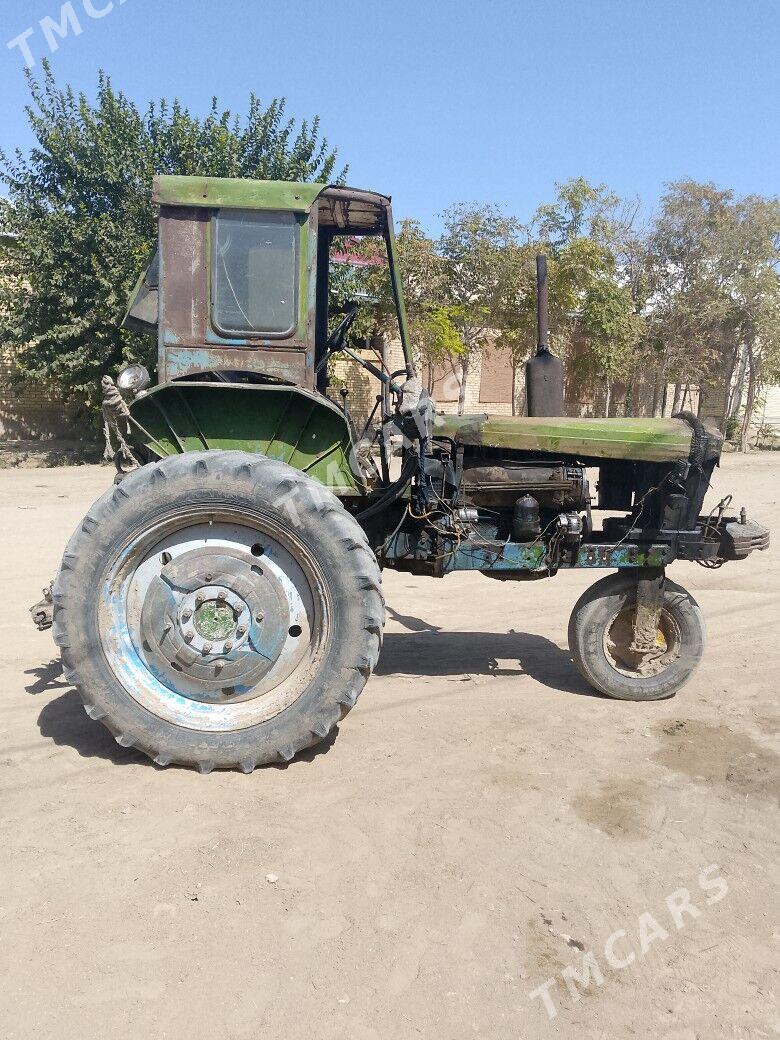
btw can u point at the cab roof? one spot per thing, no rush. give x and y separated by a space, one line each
347 210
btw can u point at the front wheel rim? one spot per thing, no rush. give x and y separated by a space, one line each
618 636
214 620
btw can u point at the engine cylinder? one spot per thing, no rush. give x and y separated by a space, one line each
525 519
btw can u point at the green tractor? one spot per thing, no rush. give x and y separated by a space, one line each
221 605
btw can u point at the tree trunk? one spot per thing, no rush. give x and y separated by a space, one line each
750 402
677 403
628 404
607 399
659 392
464 374
735 399
728 389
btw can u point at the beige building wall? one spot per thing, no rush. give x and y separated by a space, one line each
769 413
32 415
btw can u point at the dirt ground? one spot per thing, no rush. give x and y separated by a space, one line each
482 823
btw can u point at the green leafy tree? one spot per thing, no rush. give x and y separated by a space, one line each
714 308
482 277
80 202
431 315
595 325
361 275
691 321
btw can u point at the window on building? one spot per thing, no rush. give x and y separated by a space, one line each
254 272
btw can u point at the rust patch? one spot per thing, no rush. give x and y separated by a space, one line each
720 757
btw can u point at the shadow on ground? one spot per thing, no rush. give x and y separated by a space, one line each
423 651
64 721
428 651
47 677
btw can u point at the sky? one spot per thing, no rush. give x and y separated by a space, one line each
441 101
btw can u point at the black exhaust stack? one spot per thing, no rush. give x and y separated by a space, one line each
544 372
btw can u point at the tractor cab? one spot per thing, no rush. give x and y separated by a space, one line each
239 282
239 296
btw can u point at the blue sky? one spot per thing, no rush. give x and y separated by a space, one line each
439 101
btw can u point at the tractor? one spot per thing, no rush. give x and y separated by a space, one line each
220 606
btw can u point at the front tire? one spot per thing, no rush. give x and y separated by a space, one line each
218 609
600 631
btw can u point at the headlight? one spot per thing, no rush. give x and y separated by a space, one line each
133 379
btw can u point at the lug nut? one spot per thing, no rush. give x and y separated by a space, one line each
188 637
198 600
241 630
221 595
227 647
208 577
259 615
186 614
207 648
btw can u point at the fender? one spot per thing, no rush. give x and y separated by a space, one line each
296 426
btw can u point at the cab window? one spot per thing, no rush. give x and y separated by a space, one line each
254 272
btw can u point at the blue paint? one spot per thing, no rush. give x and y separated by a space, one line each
507 556
228 341
522 556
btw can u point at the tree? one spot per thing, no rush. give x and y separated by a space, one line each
80 202
431 314
690 318
715 293
755 297
595 325
360 274
482 277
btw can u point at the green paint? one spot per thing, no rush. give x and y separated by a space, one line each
300 428
643 440
234 192
214 620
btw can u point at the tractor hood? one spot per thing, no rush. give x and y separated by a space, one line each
638 440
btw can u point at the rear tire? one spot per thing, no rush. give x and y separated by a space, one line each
599 637
238 667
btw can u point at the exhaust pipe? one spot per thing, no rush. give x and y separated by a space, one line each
544 372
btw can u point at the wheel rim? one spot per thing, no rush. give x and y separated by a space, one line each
214 621
618 637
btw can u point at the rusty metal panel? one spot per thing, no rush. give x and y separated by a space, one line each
184 279
288 365
187 342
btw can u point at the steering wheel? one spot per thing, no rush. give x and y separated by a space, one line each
336 339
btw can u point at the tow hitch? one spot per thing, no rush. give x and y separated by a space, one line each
43 611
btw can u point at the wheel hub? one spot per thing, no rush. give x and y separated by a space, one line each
214 619
213 623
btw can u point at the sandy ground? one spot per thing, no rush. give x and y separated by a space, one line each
481 823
